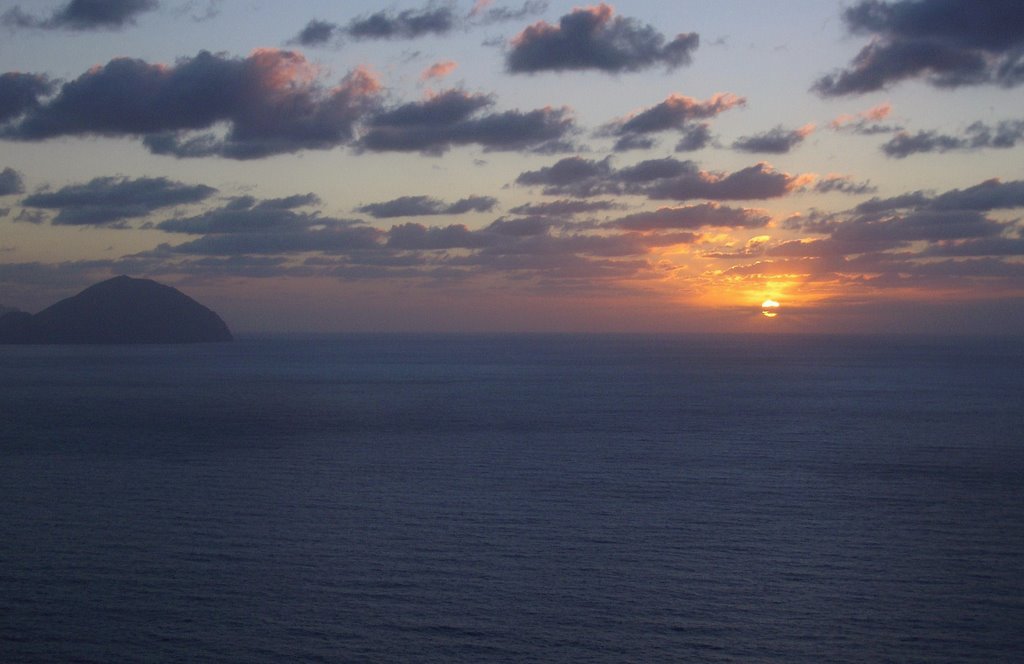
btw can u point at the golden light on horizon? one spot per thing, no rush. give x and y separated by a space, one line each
769 308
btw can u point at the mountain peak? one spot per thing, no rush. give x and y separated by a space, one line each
121 310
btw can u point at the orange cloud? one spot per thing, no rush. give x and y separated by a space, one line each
438 70
873 114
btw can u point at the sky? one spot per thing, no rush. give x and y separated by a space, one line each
522 166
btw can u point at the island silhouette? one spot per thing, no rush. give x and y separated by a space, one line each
122 310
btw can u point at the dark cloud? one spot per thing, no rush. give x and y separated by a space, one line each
987 246
759 181
694 138
83 15
843 184
31 216
976 136
415 206
988 195
271 102
563 208
407 24
889 237
991 194
633 142
316 33
452 118
234 220
522 226
948 43
677 113
651 170
693 217
418 236
924 225
333 238
10 182
774 141
483 14
659 179
594 38
572 176
20 93
288 202
271 237
908 200
112 200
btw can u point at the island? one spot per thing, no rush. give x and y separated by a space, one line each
122 310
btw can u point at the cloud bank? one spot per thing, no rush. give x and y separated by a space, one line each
595 38
82 15
948 44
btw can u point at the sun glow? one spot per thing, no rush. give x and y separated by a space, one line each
769 308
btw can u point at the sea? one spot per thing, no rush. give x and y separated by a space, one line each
514 498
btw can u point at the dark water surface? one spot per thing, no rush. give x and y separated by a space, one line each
548 498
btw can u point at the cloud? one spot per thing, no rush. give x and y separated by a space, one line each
83 15
976 136
522 226
925 225
417 236
247 215
866 123
483 14
633 142
272 103
693 217
775 141
262 238
594 38
316 33
843 184
574 176
331 239
694 138
759 181
949 44
660 179
453 118
10 182
20 93
563 207
31 216
992 194
109 200
988 195
915 240
415 206
677 113
987 246
438 70
890 238
407 24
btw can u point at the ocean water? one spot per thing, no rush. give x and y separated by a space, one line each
514 499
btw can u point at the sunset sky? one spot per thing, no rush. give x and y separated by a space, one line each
522 166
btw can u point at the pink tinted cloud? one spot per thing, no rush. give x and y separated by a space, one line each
438 70
873 114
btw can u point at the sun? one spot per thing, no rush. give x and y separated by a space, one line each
769 308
